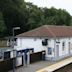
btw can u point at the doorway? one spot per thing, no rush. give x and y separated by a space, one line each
69 47
57 51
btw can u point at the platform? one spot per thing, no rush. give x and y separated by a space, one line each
56 66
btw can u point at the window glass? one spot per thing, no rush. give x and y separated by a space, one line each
63 46
49 51
69 44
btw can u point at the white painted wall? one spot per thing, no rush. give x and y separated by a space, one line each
36 43
51 45
24 43
70 45
66 50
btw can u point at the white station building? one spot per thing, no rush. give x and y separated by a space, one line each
55 40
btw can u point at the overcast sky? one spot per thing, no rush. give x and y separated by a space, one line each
63 4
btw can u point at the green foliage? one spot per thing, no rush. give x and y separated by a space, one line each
2 26
56 16
35 16
15 14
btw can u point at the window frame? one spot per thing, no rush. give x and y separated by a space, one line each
63 46
49 51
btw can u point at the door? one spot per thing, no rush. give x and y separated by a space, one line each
69 47
38 56
57 50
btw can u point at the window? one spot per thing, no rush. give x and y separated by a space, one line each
69 44
7 55
49 51
63 46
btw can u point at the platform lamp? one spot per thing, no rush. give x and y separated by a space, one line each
13 30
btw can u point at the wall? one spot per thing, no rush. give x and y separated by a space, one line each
70 45
51 45
24 43
36 43
65 52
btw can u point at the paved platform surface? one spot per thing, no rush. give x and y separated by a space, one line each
67 68
44 64
34 66
56 66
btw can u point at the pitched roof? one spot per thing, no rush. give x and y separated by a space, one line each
49 31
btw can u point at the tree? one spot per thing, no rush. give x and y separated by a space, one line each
56 16
36 16
14 13
2 26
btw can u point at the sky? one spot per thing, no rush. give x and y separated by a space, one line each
63 4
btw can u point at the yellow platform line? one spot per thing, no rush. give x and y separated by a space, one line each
56 65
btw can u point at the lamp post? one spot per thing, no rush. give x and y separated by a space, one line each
15 28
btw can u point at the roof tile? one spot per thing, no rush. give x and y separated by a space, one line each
49 31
